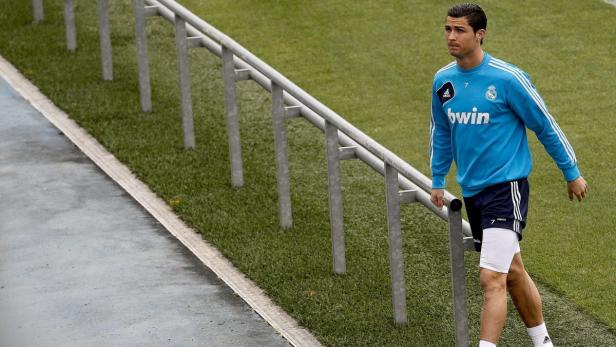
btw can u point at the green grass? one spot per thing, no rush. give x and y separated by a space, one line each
372 62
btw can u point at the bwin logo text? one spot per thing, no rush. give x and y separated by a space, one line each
468 117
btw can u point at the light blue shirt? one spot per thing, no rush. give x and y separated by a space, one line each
479 119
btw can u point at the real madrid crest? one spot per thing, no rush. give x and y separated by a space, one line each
491 93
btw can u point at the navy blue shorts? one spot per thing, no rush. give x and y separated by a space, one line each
503 205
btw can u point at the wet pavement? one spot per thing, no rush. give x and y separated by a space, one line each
82 264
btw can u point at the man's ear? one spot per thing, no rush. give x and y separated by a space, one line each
480 34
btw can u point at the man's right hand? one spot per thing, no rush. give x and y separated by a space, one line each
577 188
437 196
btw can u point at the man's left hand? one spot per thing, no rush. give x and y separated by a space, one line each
577 188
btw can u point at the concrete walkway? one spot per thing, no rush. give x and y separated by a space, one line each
82 264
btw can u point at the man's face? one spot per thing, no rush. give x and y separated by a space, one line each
461 40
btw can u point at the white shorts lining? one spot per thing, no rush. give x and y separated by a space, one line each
498 248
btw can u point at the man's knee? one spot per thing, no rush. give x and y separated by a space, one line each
492 282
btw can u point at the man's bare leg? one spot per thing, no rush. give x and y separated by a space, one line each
524 293
494 311
527 301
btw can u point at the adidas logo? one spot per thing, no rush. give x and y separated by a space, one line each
546 340
446 92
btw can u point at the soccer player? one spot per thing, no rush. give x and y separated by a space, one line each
481 107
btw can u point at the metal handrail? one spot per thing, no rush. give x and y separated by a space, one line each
309 101
192 31
397 172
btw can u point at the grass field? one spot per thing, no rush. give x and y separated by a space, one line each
377 72
372 62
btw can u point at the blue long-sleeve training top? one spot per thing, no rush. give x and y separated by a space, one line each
479 118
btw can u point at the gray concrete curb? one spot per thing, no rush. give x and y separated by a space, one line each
210 256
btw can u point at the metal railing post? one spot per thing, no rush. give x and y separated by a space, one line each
396 255
233 126
37 9
335 198
141 38
69 24
458 274
181 44
105 39
282 156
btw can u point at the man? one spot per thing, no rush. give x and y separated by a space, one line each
480 109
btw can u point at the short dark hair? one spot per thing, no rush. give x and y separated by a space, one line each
474 15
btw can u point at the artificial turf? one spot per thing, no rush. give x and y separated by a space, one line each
372 62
